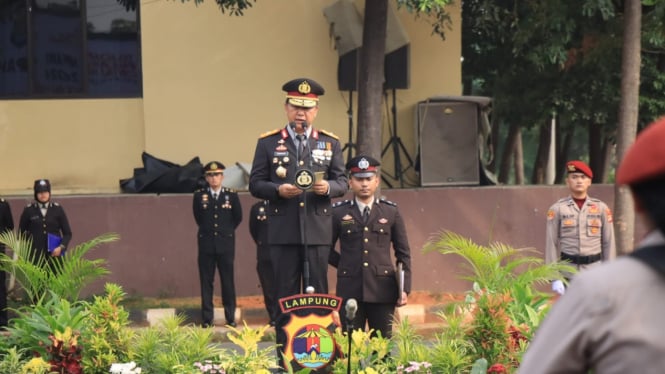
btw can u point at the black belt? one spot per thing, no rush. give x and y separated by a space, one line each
581 260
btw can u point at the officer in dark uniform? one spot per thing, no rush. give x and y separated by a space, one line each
44 217
258 228
6 224
366 228
297 217
217 212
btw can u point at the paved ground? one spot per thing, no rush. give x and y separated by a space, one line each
421 312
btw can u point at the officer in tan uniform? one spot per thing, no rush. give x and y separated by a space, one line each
367 229
579 227
611 318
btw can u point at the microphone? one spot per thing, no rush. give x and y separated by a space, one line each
293 125
351 308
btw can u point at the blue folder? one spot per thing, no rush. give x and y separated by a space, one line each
52 242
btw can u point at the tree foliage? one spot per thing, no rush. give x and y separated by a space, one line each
535 58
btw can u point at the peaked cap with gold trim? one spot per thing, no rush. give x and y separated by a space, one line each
303 92
213 167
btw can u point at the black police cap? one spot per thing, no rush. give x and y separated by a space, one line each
42 185
303 92
214 167
362 166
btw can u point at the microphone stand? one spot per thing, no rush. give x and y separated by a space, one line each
349 330
303 224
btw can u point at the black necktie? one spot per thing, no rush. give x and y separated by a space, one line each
301 145
214 196
366 214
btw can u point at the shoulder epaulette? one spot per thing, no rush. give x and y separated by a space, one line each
2 200
594 199
268 133
387 202
56 204
31 204
342 203
330 134
226 189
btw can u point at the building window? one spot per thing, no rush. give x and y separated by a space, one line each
69 49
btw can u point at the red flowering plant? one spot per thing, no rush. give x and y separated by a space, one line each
64 353
497 369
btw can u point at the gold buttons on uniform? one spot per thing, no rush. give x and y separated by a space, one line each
366 240
365 264
301 163
348 231
366 228
302 204
380 230
215 216
385 272
215 225
366 251
325 211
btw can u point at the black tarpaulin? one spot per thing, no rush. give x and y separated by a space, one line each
160 176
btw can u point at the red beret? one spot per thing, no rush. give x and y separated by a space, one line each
579 167
645 159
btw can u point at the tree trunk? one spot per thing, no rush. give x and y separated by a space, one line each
543 153
507 156
518 154
495 144
370 78
608 152
624 216
562 154
595 131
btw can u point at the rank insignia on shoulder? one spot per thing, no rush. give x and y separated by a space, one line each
550 214
2 200
268 133
56 204
226 189
340 203
387 202
330 134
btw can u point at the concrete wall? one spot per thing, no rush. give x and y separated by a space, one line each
212 84
156 255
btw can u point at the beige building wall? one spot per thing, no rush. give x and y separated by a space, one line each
211 85
82 146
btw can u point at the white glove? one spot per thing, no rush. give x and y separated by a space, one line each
557 286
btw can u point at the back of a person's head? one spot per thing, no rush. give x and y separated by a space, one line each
643 169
